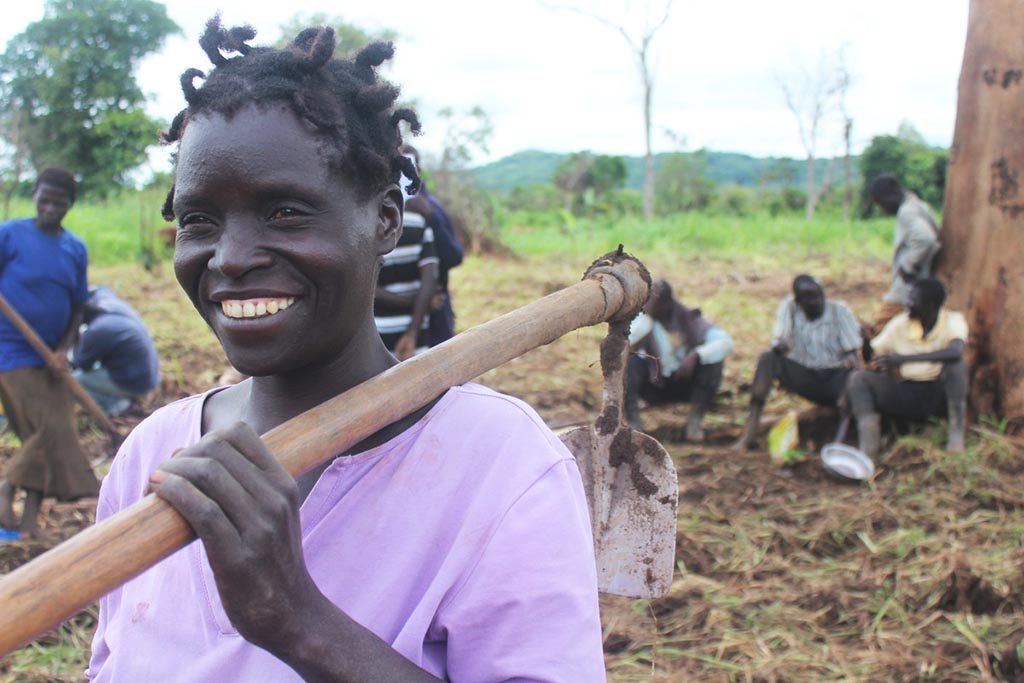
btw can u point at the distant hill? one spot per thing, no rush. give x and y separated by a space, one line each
535 167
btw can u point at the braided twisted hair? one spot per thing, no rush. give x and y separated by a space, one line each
351 109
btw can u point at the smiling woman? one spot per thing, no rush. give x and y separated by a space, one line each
452 544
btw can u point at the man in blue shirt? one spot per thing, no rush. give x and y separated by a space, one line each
115 357
43 276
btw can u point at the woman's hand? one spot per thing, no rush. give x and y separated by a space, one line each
244 507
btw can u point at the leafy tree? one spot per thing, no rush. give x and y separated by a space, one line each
534 198
13 154
780 172
349 36
71 76
919 167
682 183
473 210
586 178
734 200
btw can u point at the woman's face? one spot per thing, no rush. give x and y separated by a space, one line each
275 250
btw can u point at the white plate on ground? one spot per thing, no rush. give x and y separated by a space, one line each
846 462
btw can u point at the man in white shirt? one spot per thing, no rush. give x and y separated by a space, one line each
678 357
814 347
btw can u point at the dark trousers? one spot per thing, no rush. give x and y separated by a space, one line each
871 392
824 386
699 390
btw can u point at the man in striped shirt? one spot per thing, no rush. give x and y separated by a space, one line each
407 281
814 347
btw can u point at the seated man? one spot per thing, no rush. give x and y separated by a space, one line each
116 360
814 347
924 345
678 356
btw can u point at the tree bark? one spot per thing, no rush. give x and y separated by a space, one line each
983 218
648 156
812 192
847 169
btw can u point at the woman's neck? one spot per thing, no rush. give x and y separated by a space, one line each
275 399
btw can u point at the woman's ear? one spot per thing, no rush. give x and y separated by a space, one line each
389 219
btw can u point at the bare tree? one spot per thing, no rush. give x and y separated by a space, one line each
640 44
810 97
842 84
472 212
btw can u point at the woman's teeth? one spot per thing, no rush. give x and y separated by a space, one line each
254 308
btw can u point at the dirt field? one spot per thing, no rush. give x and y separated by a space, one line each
783 574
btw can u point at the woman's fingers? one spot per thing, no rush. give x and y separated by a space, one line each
238 459
246 441
204 515
233 471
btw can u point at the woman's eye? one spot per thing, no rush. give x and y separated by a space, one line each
285 212
192 219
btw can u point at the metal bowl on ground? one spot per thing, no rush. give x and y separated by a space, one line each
846 462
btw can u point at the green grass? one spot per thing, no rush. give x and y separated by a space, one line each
698 234
116 230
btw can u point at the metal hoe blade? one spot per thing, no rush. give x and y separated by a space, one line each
631 488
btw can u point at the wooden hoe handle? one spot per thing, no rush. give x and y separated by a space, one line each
41 594
48 355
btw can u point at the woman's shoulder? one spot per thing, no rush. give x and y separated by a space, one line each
471 402
154 440
484 422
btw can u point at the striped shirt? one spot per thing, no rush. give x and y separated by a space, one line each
400 274
821 343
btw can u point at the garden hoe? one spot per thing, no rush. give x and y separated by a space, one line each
631 487
629 479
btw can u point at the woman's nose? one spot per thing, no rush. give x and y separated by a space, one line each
238 252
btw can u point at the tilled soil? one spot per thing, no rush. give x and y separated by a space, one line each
783 573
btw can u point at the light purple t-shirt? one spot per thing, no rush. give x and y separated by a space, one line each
464 542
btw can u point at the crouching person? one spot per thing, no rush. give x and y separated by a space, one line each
814 347
678 356
918 370
115 357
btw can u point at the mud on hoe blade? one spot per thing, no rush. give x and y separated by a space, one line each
630 482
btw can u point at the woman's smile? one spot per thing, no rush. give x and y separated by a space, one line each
254 308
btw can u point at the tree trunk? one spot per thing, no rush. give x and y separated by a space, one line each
847 169
812 193
648 157
983 218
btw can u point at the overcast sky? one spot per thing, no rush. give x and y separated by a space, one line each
555 80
